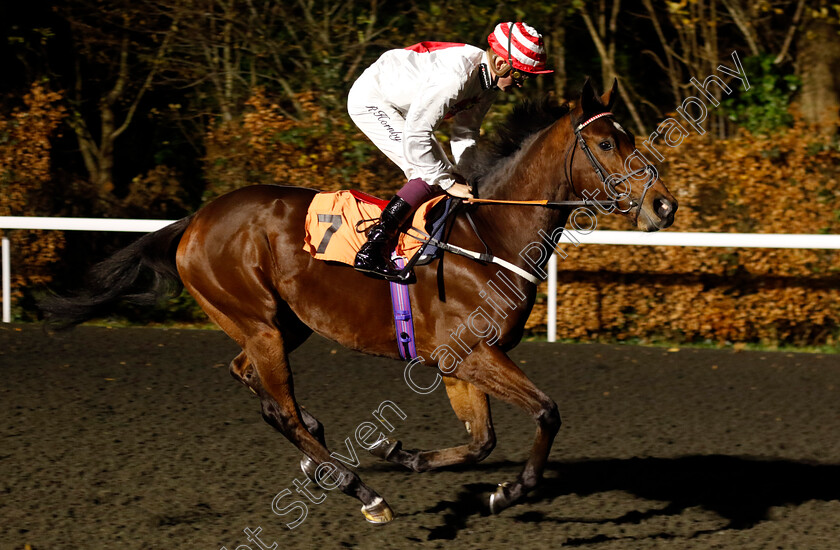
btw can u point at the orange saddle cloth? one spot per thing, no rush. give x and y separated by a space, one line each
331 232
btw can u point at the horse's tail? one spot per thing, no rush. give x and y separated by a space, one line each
142 273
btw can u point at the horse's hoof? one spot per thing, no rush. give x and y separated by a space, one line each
499 500
308 466
378 511
386 448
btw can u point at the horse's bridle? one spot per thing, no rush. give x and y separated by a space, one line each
609 182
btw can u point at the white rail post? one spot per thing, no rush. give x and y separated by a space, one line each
7 280
552 298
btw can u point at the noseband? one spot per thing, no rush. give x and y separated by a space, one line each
609 182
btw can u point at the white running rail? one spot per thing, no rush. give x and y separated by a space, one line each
734 240
62 224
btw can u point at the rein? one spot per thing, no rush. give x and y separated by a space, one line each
487 256
546 203
608 181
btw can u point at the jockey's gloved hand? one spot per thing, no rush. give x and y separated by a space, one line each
460 190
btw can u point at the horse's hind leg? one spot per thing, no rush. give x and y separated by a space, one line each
283 420
276 392
243 371
243 302
263 366
473 409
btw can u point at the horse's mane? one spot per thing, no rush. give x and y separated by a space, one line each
526 119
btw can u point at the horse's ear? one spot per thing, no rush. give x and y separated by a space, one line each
589 101
609 97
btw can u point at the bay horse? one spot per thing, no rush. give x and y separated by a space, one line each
241 257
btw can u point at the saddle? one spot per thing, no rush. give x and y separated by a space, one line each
336 223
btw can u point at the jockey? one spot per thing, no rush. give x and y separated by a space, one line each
400 100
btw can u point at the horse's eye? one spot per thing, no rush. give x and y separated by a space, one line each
605 145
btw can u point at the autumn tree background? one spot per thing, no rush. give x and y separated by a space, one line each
150 108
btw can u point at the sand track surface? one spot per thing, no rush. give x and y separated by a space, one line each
139 438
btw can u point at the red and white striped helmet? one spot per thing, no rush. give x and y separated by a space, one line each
527 52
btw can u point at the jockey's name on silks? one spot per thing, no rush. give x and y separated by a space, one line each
331 225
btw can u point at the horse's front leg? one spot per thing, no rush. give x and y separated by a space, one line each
492 371
472 408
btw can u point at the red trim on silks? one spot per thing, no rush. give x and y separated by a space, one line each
369 199
426 47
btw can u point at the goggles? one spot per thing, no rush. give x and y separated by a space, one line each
519 77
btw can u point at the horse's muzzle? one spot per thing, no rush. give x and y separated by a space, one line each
659 214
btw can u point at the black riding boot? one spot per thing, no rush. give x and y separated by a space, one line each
373 258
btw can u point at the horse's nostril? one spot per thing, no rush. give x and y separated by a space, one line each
662 207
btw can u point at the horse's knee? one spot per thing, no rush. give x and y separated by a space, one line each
549 418
482 449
